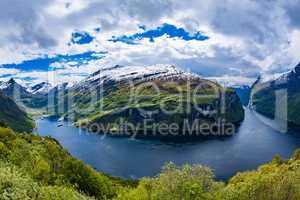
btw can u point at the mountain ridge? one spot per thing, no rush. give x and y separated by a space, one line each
108 92
265 97
105 97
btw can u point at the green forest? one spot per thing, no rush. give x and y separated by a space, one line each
34 167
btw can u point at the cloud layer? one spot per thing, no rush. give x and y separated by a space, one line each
221 40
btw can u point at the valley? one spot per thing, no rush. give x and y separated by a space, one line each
131 96
254 143
115 167
149 100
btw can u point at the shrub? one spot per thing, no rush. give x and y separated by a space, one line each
175 183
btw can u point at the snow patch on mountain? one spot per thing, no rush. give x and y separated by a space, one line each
272 77
120 73
4 85
41 88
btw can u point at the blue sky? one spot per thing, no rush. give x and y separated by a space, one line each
47 63
44 63
232 42
81 38
165 29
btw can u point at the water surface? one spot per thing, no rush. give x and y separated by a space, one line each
255 143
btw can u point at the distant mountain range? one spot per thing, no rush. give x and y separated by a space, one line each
243 92
11 85
279 97
32 98
105 97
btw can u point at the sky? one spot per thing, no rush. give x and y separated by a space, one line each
229 41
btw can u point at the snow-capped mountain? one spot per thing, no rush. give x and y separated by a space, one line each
23 96
11 86
11 83
125 74
116 74
280 77
281 89
106 96
4 85
41 88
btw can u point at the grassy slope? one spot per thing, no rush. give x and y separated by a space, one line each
119 103
13 116
33 167
43 164
264 99
264 102
279 180
15 184
293 109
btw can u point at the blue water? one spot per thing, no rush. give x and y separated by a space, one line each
255 143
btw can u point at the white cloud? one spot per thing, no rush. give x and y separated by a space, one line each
246 37
229 81
8 71
63 8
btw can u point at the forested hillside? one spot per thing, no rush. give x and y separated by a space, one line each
13 116
33 167
283 91
278 180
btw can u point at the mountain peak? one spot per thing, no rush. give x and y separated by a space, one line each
7 84
11 81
